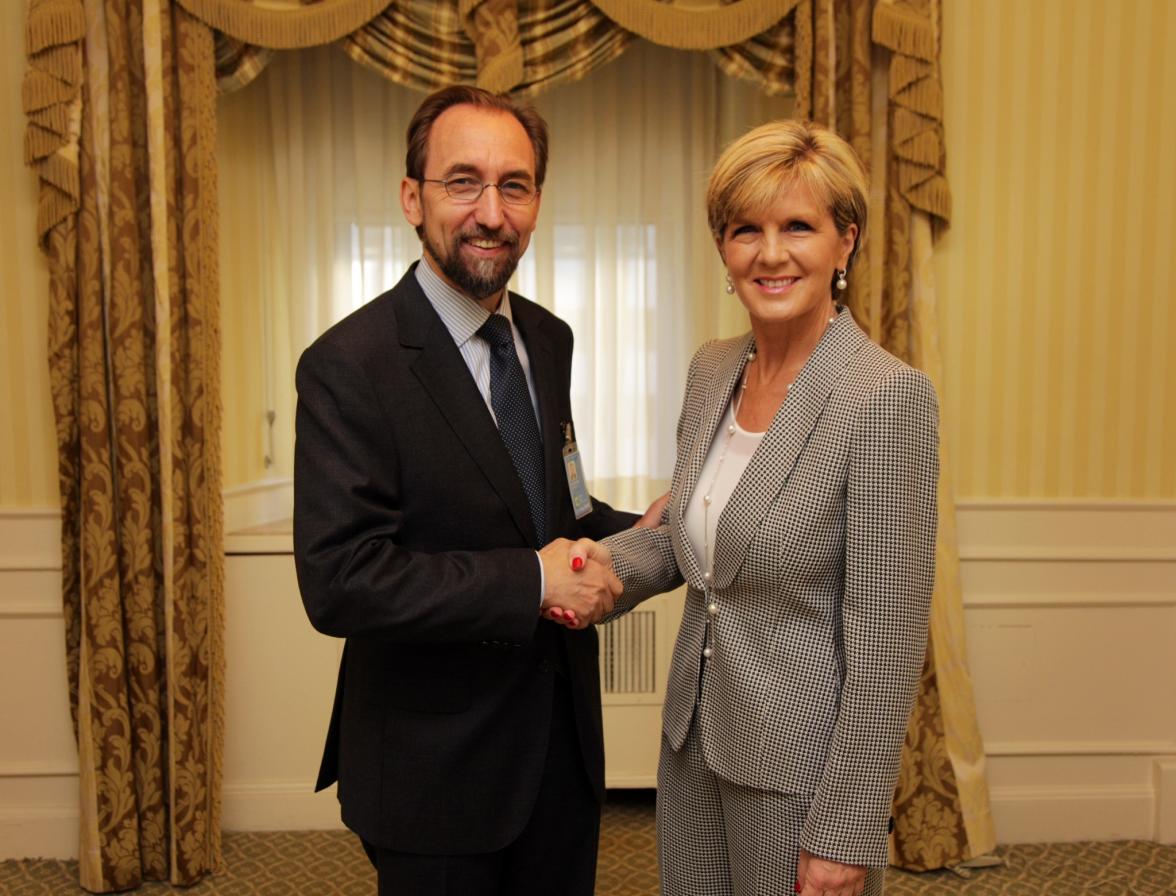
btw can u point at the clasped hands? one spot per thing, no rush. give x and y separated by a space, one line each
580 587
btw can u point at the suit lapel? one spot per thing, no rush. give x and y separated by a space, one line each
718 390
772 463
443 373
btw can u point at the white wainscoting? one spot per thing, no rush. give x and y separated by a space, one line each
1070 613
1071 620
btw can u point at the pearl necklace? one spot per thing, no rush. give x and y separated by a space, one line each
708 575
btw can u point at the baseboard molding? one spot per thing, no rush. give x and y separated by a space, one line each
33 832
1022 815
279 806
1165 783
1068 814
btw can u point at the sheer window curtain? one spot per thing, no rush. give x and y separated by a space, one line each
311 159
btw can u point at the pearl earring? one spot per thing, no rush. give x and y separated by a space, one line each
730 285
842 283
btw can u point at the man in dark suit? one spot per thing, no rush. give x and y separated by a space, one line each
429 476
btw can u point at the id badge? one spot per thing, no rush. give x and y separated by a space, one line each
574 469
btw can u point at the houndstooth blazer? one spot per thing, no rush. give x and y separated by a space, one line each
824 560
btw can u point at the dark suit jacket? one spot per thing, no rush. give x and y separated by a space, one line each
410 542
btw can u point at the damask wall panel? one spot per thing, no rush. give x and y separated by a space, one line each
1056 274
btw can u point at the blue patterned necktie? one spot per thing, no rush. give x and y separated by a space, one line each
511 401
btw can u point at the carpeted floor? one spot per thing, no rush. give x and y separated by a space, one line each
325 863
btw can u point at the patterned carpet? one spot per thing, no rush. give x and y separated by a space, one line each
326 863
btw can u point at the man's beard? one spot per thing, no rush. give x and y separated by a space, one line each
479 278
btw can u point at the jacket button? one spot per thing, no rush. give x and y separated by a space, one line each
706 651
713 609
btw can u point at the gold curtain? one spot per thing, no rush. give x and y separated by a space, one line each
122 131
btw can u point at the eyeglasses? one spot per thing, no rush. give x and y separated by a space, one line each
469 189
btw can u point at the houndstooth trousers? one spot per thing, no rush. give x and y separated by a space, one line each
715 838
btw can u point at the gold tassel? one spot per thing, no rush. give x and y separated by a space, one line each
39 90
923 149
53 118
41 143
54 22
61 173
53 207
933 197
924 97
63 62
903 31
906 70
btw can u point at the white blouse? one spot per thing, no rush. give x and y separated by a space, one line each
734 461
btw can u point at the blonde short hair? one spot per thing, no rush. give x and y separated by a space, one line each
753 171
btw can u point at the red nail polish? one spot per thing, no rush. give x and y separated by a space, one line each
577 563
799 888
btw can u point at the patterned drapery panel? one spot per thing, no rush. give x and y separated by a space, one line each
123 137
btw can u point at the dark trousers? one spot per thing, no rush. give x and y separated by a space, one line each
555 853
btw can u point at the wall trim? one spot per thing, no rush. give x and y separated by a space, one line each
39 832
1037 600
30 539
1080 748
1067 531
43 769
30 609
279 806
1165 783
1149 505
1061 814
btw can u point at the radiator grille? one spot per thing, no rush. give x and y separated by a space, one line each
627 654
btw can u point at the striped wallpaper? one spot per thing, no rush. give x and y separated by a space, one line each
1055 278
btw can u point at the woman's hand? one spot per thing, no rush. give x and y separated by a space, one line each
579 554
823 877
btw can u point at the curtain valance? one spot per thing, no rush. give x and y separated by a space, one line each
696 24
521 46
284 26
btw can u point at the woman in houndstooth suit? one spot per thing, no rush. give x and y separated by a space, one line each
802 518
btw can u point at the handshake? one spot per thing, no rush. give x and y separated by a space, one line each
580 588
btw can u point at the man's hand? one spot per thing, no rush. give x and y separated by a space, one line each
580 588
651 519
823 877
